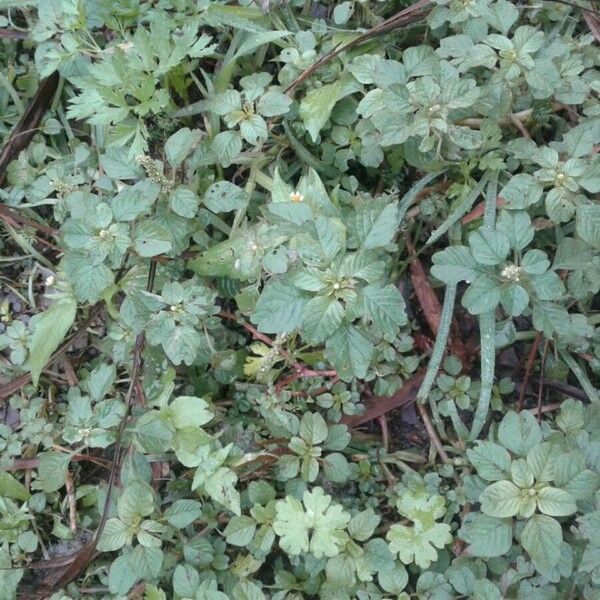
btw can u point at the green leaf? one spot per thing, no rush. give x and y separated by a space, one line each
151 239
48 331
336 468
279 308
180 145
88 280
375 224
224 196
487 536
145 561
516 225
185 580
121 577
52 470
183 513
220 486
226 146
363 524
454 264
134 201
313 429
324 521
542 459
189 411
385 307
273 104
114 536
350 352
418 544
184 202
501 499
322 317
491 460
522 191
519 432
316 107
135 501
541 539
11 488
588 224
482 296
489 247
555 502
240 530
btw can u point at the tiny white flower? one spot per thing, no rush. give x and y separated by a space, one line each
511 273
49 280
296 196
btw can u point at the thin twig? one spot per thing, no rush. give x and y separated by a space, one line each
529 370
431 432
71 502
541 384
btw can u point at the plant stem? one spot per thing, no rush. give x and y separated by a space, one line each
487 327
440 343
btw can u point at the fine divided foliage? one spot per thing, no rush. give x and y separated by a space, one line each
299 300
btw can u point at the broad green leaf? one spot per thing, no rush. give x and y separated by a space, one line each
588 224
417 544
501 499
121 577
555 502
220 486
184 202
313 428
336 468
454 264
52 470
224 196
385 307
516 225
114 536
180 145
521 192
226 146
11 488
240 530
182 513
189 411
491 460
279 308
134 201
362 525
489 247
487 536
375 224
322 317
541 539
48 331
151 239
316 107
324 521
542 459
519 432
185 580
350 352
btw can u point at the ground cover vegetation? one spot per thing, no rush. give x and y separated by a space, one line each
299 300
